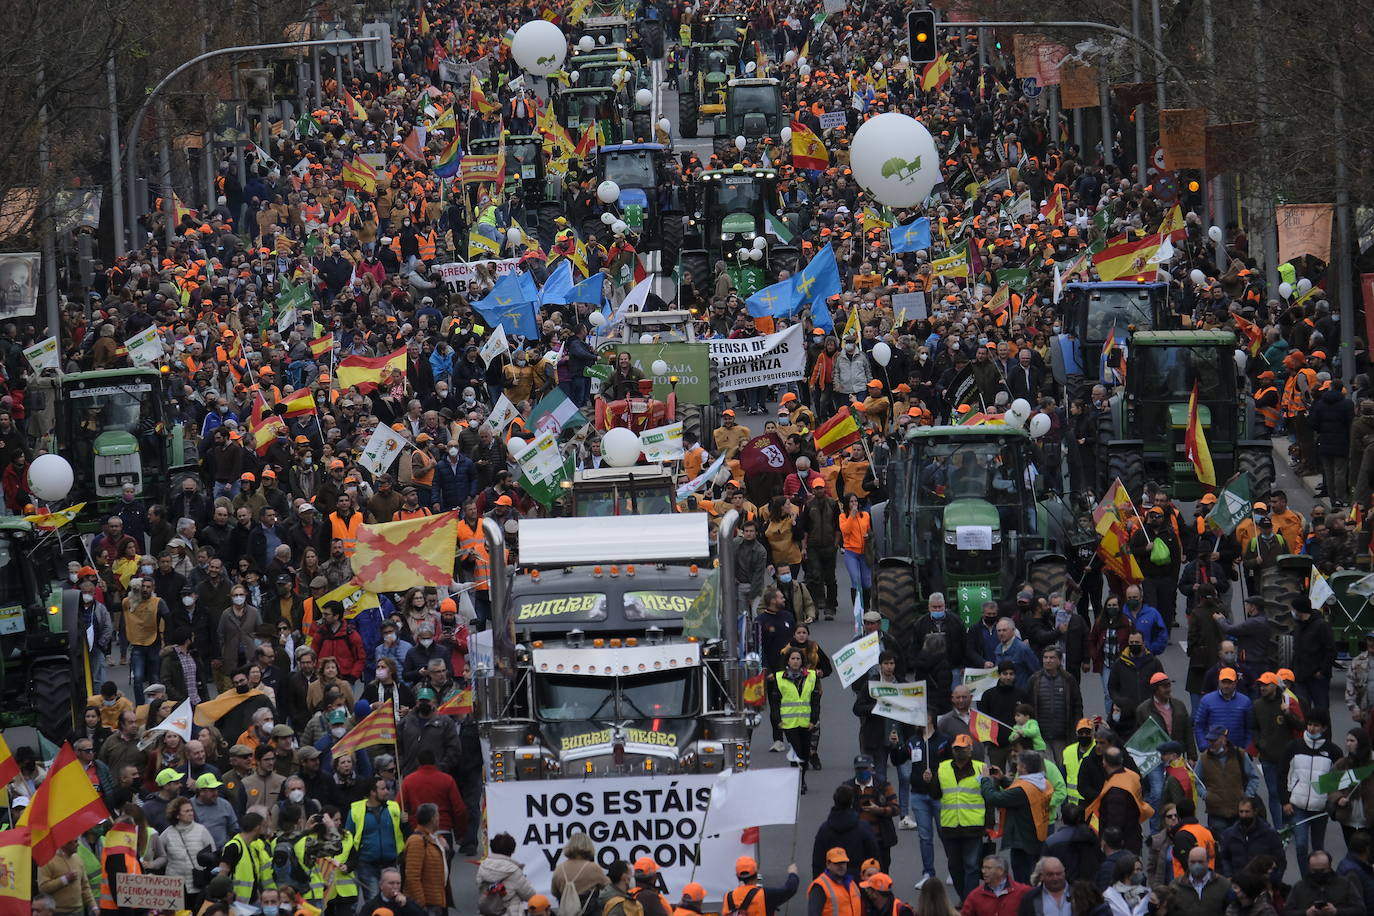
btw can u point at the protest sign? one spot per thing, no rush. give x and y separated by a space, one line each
902 702
460 275
750 362
855 658
150 892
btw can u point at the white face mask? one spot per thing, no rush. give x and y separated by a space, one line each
188 600
338 731
239 599
146 570
296 795
426 643
453 453
87 598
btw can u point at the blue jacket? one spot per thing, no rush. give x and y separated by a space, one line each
455 484
1239 847
1234 715
1361 874
1149 624
1019 654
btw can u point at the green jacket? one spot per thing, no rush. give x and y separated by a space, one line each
1019 831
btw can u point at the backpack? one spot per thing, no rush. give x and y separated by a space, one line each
742 907
492 900
569 904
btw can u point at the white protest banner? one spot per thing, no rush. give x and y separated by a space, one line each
754 798
854 659
909 307
833 119
541 460
500 416
145 346
903 702
45 354
979 679
626 817
462 274
662 443
381 450
150 892
699 481
750 362
494 346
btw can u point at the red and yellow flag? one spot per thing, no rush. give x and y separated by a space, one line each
360 176
808 152
16 863
983 726
378 728
1173 224
1254 337
64 807
264 425
477 98
1110 523
366 371
1195 444
299 403
9 767
1053 211
839 432
355 110
936 73
1127 258
460 704
345 215
320 346
754 691
395 556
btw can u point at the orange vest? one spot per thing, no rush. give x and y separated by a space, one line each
1268 407
735 900
1039 806
346 531
1205 840
428 245
470 538
122 840
839 899
1295 397
403 513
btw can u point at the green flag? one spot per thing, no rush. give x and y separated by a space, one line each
634 215
702 619
1338 780
598 371
1018 278
1144 746
1100 221
1233 504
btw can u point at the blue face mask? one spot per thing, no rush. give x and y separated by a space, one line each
785 578
270 909
937 615
863 775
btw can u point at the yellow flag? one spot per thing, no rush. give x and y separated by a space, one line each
53 520
851 325
479 245
394 556
354 598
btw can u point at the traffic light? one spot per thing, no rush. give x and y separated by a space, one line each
1192 190
920 31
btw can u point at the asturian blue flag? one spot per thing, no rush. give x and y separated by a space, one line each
817 282
591 290
558 285
914 236
777 301
528 287
508 305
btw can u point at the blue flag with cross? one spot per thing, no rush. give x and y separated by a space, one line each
509 305
817 282
777 301
914 236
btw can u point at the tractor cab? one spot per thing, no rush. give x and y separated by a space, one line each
638 490
577 109
730 210
1092 312
605 31
524 159
753 110
721 27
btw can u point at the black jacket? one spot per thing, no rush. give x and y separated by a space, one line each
843 828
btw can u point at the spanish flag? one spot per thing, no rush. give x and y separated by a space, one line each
9 767
753 691
1254 337
1173 224
1053 211
478 99
1126 258
343 216
936 73
16 860
299 403
64 807
366 371
808 152
355 110
378 728
460 704
360 176
840 431
1195 444
264 425
1109 521
321 345
984 727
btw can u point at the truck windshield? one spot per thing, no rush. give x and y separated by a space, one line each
633 169
726 29
658 695
623 499
965 467
101 408
1119 308
1169 373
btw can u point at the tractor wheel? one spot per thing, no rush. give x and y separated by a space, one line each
1258 462
693 420
1049 576
670 244
721 145
1129 466
547 212
651 34
53 691
687 114
643 125
894 596
698 265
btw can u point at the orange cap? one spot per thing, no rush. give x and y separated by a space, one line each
694 892
963 741
746 867
448 606
1226 674
504 500
878 882
645 866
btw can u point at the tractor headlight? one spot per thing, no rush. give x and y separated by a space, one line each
749 235
951 537
727 236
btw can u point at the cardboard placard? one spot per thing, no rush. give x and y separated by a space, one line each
150 892
1078 85
1183 134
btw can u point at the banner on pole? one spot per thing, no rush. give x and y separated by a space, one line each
751 362
1304 229
1183 135
854 659
1078 85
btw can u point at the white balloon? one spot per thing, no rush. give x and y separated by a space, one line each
1020 406
574 76
607 218
620 447
1214 233
802 61
586 44
743 253
1303 286
1014 419
790 57
665 125
902 180
646 338
660 367
755 254
516 445
1198 277
760 243
644 98
539 47
514 236
878 65
905 60
1040 425
601 39
803 71
882 353
608 192
622 54
1285 290
741 143
50 477
619 227
596 319
786 134
750 67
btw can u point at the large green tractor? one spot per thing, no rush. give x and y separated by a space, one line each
525 166
600 73
702 96
577 107
732 208
753 110
969 515
1149 416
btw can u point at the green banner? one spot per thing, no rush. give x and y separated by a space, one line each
598 371
1233 504
702 619
1144 746
690 362
634 215
747 280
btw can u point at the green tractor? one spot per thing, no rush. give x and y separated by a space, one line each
730 209
969 515
1149 418
576 108
702 93
113 426
601 73
45 675
525 163
645 174
753 110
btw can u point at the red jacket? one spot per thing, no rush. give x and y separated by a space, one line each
983 902
345 645
430 784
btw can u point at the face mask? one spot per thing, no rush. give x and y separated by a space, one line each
146 570
1133 603
1319 877
469 399
72 577
1311 739
108 702
1056 329
1228 657
863 775
188 600
241 689
296 795
337 731
223 408
268 725
389 638
849 349
239 599
1198 869
1138 879
785 578
426 643
271 909
424 707
937 615
453 452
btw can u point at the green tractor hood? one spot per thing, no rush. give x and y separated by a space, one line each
966 512
737 222
115 442
1178 415
968 589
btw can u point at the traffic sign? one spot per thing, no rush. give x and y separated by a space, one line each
1030 87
